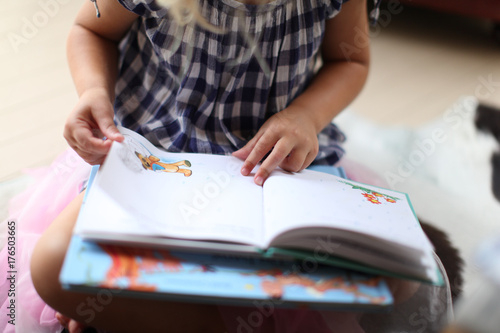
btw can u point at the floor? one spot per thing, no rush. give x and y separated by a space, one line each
423 62
36 88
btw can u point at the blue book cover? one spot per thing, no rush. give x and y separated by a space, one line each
218 279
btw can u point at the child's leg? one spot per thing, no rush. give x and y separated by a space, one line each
121 314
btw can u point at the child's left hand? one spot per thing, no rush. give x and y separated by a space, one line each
290 138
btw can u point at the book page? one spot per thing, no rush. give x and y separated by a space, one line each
142 190
314 199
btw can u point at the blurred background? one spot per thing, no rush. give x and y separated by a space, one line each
423 61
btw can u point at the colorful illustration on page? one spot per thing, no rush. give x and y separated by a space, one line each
138 158
136 268
274 281
374 197
128 264
153 163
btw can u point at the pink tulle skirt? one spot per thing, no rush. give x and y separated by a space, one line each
32 211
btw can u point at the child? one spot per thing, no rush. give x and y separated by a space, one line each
246 80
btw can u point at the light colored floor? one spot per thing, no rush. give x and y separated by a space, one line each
423 61
35 87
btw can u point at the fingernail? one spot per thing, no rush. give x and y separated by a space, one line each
259 180
245 171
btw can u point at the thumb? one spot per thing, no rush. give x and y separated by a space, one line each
243 152
108 128
75 327
63 320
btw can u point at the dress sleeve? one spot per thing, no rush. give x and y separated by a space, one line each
147 8
375 13
333 8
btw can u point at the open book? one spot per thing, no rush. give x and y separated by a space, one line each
145 196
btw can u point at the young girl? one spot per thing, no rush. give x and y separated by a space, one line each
262 81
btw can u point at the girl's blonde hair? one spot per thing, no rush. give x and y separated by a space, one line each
185 12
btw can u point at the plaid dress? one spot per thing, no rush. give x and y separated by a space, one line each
188 89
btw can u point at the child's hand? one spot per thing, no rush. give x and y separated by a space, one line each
90 121
291 138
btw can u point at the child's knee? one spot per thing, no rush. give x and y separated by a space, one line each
46 262
48 254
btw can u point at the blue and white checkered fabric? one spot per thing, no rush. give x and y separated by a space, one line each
188 89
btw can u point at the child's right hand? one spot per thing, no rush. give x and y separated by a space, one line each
87 125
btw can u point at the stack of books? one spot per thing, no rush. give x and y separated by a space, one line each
190 227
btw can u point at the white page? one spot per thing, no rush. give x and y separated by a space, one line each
215 202
317 199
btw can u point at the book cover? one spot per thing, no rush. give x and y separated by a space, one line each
217 279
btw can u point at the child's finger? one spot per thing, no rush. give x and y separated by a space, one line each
281 150
261 147
294 161
63 320
91 159
86 141
75 327
243 152
108 128
309 159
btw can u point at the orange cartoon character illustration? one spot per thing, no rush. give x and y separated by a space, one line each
153 163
